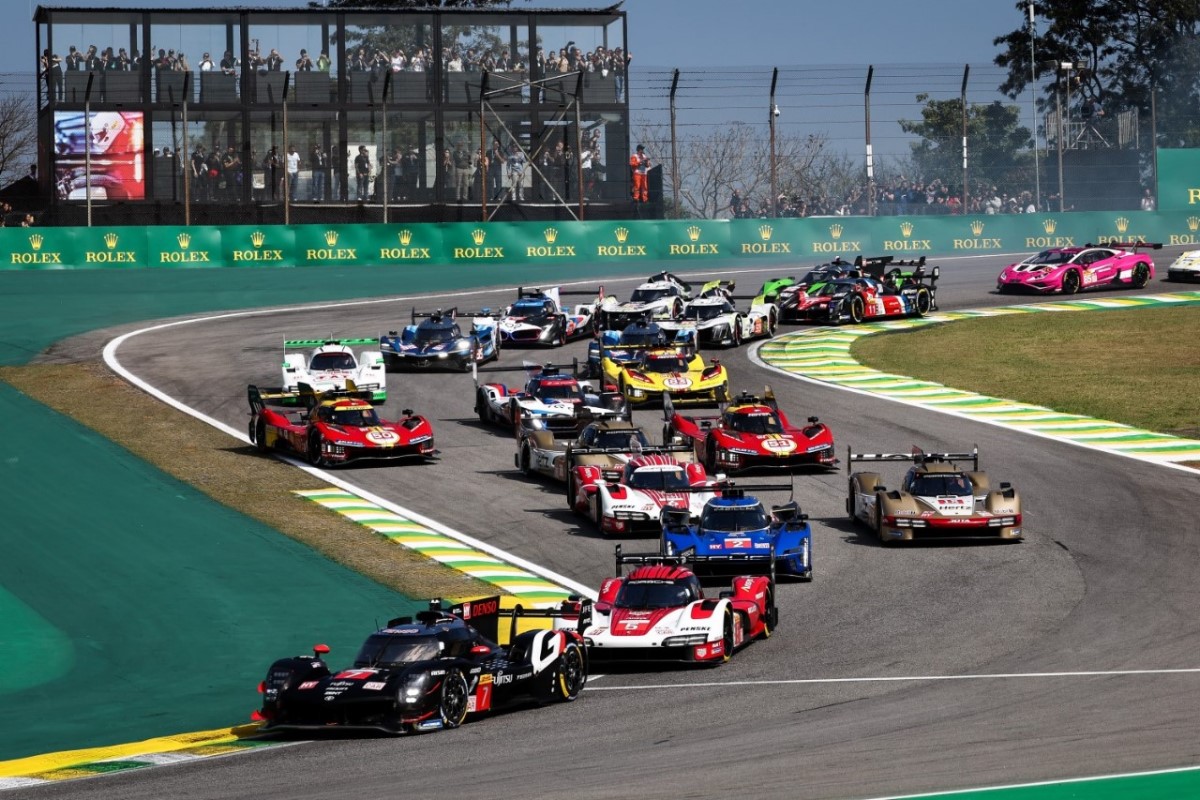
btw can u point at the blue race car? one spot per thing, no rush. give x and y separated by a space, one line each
438 342
736 534
643 333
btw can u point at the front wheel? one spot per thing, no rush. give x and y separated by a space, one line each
314 450
735 335
481 406
453 703
1141 275
727 637
526 463
572 490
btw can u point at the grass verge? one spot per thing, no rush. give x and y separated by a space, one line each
233 474
1137 366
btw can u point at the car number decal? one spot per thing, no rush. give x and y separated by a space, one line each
382 436
778 444
677 382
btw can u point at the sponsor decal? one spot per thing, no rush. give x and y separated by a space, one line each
778 444
308 685
677 382
375 685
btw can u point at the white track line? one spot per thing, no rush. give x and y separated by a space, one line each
1063 782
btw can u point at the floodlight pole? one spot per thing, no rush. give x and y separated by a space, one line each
1061 132
870 154
772 111
674 147
484 161
966 193
87 144
387 83
287 179
1037 171
185 163
579 143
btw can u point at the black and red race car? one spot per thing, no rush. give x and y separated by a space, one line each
426 673
751 432
335 427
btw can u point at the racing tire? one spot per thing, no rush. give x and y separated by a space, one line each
1070 282
314 450
735 333
723 393
923 302
676 309
598 518
727 637
481 407
772 323
561 339
710 460
514 415
878 524
258 434
850 505
572 490
526 463
856 309
571 674
1141 275
452 706
767 621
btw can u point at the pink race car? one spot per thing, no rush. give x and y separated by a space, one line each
1070 269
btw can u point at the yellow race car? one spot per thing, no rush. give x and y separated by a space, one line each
646 374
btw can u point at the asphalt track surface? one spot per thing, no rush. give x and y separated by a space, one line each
898 670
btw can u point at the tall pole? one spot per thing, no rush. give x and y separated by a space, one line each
966 192
674 150
87 144
484 161
185 161
1154 135
1037 171
287 178
870 154
387 169
1061 132
772 113
579 143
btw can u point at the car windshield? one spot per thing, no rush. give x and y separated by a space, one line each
707 312
530 308
661 478
835 287
821 274
611 440
353 417
436 335
642 336
653 594
1051 257
650 295
757 422
559 390
663 363
331 361
388 649
734 518
940 485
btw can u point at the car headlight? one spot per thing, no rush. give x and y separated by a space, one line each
685 641
413 687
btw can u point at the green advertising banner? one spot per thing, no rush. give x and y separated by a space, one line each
1179 180
803 242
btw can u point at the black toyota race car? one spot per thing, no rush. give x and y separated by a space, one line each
426 673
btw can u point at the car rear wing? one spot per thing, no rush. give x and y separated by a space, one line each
653 450
671 277
916 456
1134 246
574 607
261 397
529 368
683 559
307 343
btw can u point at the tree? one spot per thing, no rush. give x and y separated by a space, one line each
997 145
18 136
1128 48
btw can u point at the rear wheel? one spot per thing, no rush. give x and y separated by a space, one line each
526 463
735 334
453 703
481 406
572 674
924 301
850 504
767 614
856 309
572 490
772 322
1141 275
258 433
1070 282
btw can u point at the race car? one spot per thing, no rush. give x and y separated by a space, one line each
1186 267
716 321
652 481
660 613
538 317
750 432
853 300
936 499
734 531
438 341
552 394
331 364
335 427
790 294
425 673
645 332
1067 270
604 445
662 297
649 374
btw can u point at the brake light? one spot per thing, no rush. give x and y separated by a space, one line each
262 687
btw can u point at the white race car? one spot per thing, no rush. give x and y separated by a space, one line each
539 317
716 321
332 363
661 297
1186 267
650 482
554 399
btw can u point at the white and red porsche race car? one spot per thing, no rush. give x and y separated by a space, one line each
332 363
659 613
650 481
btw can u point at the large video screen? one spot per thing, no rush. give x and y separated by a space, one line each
118 152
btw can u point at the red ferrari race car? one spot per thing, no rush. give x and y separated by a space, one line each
335 427
751 432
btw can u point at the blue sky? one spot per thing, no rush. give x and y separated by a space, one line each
693 33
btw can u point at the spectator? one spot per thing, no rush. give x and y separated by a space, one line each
412 169
362 173
515 165
319 163
462 173
74 59
228 64
274 61
639 165
304 63
323 62
293 172
206 63
27 221
495 172
395 167
199 168
1148 203
52 70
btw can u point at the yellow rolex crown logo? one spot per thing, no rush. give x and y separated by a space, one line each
405 237
184 239
1049 225
976 226
257 238
1193 224
1122 224
764 232
35 241
331 238
693 232
835 230
622 234
478 235
110 241
551 235
906 228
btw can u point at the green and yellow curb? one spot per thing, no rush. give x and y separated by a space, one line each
823 355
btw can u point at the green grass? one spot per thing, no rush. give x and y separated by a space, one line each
1137 366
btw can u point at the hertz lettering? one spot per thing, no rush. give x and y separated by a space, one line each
837 247
189 257
405 253
759 248
330 253
258 255
479 252
621 250
1049 241
693 250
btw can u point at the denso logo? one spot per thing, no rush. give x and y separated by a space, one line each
481 608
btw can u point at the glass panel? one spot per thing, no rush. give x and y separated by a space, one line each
204 46
165 165
377 44
589 47
313 134
111 52
297 45
497 44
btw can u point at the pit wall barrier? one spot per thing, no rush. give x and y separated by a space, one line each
690 242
